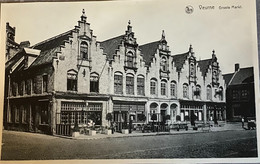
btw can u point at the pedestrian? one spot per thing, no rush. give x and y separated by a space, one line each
243 121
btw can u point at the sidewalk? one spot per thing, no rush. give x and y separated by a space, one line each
226 127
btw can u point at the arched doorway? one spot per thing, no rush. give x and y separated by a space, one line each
173 112
153 112
163 112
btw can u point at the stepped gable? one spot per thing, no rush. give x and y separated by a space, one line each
148 50
243 75
204 66
111 45
179 60
49 48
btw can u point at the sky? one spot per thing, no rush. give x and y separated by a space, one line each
230 32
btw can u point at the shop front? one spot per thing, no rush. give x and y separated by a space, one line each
128 115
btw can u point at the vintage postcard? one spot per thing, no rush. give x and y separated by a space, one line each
130 81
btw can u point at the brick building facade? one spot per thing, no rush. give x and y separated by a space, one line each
72 77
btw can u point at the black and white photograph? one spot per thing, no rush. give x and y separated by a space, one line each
130 80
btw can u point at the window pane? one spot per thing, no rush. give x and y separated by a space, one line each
118 84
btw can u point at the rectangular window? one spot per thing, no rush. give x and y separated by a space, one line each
44 114
17 118
153 88
118 84
14 89
163 88
34 85
72 82
72 112
140 86
28 87
20 88
24 115
173 89
45 83
185 91
129 85
244 94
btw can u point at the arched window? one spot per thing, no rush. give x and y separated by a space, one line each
173 88
140 85
130 84
209 92
129 59
197 92
163 87
220 93
185 90
72 80
118 83
164 64
84 50
153 86
94 82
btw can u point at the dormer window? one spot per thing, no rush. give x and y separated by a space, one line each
130 59
84 50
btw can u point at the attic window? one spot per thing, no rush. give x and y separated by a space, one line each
84 50
164 64
130 59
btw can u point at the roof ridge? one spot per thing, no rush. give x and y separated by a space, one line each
112 38
149 43
232 77
50 39
185 53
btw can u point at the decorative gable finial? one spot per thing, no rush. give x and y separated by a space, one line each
129 27
190 49
163 34
213 54
83 17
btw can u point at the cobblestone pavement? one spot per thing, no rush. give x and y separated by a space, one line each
225 143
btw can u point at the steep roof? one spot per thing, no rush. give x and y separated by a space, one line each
110 45
179 60
49 48
148 50
243 75
204 65
228 77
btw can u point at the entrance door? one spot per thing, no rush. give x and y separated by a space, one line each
163 114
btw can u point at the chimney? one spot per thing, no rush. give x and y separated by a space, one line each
24 44
236 67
